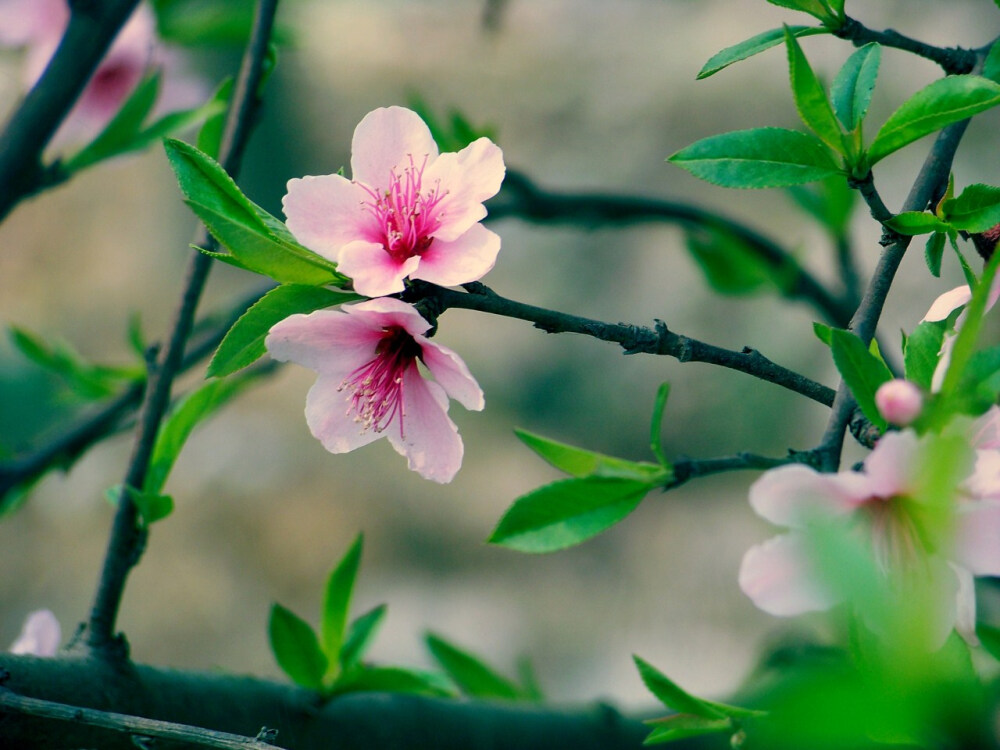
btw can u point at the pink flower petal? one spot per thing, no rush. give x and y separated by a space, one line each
373 270
429 439
40 635
985 479
326 212
944 305
778 576
385 140
451 373
327 341
468 258
794 495
890 466
467 178
26 21
331 418
977 537
965 605
383 312
986 430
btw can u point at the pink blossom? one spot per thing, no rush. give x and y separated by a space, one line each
38 25
407 212
885 505
944 306
39 636
369 385
899 401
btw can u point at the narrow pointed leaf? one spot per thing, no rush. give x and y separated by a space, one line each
752 46
210 134
810 97
472 675
337 600
656 424
938 105
244 343
862 371
975 210
732 267
812 7
682 726
672 695
851 91
566 513
174 432
991 66
296 648
579 462
920 357
758 158
360 634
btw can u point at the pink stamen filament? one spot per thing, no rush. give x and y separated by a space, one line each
376 387
405 214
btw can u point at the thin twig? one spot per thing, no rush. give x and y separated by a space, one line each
127 536
686 469
523 198
91 29
632 338
136 727
953 60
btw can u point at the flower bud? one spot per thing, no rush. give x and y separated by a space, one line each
899 401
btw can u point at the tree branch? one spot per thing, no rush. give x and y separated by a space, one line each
521 197
953 60
128 536
632 338
242 705
92 28
686 469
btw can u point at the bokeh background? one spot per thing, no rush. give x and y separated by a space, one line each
583 95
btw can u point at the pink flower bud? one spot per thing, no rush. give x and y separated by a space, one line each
899 401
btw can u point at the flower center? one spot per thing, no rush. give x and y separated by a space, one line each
376 388
405 213
898 539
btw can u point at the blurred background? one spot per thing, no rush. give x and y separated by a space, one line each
582 95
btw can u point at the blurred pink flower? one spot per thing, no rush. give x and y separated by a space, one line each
38 26
40 635
407 212
369 385
899 401
944 306
882 503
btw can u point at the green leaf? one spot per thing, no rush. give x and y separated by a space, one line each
942 103
852 88
359 636
831 203
823 333
656 425
392 680
810 97
673 696
980 382
296 648
920 357
473 676
965 342
210 134
244 343
934 252
249 233
175 430
337 601
568 512
151 507
733 267
989 636
578 462
916 222
991 66
758 158
862 371
682 726
812 7
752 46
975 210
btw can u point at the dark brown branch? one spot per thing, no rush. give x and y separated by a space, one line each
522 198
92 27
128 536
632 338
686 469
242 705
953 60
